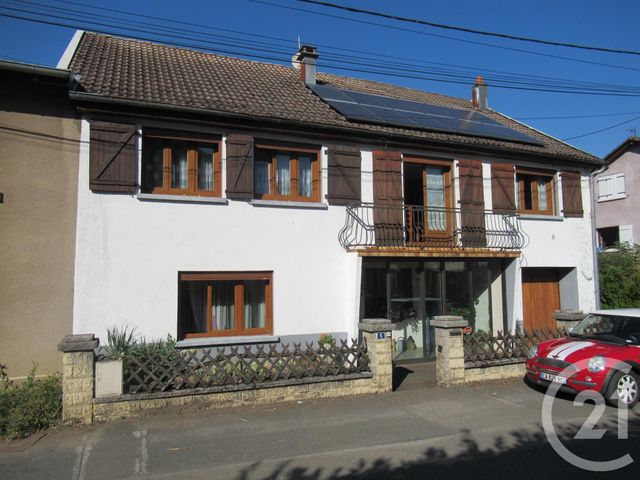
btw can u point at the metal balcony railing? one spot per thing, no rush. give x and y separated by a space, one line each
369 225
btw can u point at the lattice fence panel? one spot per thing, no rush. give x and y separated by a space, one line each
170 370
484 349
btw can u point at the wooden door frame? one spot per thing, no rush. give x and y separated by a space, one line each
547 323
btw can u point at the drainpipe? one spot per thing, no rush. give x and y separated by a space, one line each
594 237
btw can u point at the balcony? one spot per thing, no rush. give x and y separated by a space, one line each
418 228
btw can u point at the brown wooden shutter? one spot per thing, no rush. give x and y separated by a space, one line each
571 194
344 183
503 194
239 167
387 197
472 203
113 160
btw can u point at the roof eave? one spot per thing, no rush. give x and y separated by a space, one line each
390 139
620 149
32 68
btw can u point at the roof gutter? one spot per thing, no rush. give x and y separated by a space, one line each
34 69
97 98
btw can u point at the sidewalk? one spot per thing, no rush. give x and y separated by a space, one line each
473 431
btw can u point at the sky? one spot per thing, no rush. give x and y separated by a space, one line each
391 51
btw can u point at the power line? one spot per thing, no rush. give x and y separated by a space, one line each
564 117
339 57
420 32
286 59
626 91
601 130
468 30
562 84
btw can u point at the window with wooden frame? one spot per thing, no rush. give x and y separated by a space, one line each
286 172
428 185
175 164
535 192
225 304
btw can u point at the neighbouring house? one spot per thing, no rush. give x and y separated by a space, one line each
227 201
39 145
617 216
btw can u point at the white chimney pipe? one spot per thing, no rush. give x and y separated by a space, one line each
479 94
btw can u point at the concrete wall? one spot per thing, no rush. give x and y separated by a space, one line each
622 211
38 177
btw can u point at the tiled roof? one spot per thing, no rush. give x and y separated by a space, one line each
143 71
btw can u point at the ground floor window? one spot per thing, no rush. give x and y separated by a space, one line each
410 293
224 304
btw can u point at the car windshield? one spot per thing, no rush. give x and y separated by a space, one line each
609 328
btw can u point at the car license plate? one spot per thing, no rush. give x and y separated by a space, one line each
552 378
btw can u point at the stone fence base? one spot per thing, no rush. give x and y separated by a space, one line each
197 400
498 372
92 390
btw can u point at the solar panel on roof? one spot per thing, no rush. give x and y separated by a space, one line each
405 113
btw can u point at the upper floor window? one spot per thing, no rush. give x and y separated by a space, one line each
286 173
534 192
427 185
177 165
611 187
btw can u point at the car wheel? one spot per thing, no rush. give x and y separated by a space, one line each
624 389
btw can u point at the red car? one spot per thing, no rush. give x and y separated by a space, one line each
601 353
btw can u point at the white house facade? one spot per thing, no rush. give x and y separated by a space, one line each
250 208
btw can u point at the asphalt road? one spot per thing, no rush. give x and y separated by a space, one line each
492 430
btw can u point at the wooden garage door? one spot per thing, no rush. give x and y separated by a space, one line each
541 298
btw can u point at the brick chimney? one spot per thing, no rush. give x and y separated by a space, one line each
479 94
307 56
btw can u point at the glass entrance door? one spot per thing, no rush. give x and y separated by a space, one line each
413 300
411 292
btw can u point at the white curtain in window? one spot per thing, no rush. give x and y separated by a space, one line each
283 174
205 168
223 307
261 178
436 219
542 195
179 170
254 304
304 167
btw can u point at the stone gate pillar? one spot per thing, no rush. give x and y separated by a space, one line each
567 319
449 349
78 359
377 333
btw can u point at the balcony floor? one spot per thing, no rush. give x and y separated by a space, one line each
435 252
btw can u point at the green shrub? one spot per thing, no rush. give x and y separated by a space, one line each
620 276
326 338
120 341
165 348
29 406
